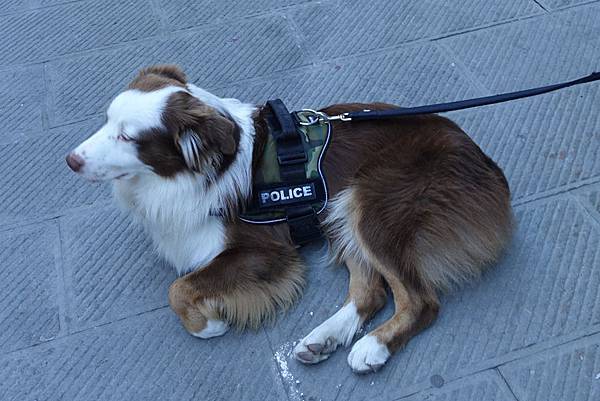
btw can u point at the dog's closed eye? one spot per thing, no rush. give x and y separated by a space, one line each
124 137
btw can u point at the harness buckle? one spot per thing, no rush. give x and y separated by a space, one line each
292 158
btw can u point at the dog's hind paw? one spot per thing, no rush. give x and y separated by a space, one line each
368 355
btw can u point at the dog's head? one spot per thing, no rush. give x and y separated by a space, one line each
157 127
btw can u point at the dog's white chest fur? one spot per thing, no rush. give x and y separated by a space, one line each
180 229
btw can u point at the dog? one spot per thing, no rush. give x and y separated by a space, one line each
416 207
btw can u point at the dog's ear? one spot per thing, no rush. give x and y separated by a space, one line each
157 77
202 134
171 71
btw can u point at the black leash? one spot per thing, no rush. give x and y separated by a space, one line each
292 158
451 106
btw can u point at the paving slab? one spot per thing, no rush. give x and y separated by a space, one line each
40 35
149 357
409 76
111 270
21 102
13 6
545 289
37 181
83 86
557 4
29 307
594 198
181 14
545 144
567 373
484 386
335 29
83 315
540 51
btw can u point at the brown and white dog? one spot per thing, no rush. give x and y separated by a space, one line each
416 206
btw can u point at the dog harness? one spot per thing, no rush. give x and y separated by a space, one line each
289 184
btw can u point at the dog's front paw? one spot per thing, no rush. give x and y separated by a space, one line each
339 329
312 349
213 328
200 319
368 355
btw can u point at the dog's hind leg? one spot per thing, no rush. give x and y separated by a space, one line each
366 295
414 311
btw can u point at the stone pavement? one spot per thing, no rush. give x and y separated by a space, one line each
83 312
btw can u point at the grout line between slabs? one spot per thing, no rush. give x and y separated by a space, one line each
517 355
515 20
198 29
300 38
45 99
576 5
508 387
161 15
555 193
24 222
463 69
587 209
33 7
79 332
62 296
540 5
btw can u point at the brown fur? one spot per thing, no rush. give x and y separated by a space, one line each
428 209
185 119
158 77
258 274
365 288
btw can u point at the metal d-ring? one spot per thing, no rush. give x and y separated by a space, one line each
319 117
314 117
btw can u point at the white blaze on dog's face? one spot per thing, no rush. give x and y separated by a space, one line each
158 127
112 152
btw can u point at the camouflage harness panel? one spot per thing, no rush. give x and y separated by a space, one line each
271 195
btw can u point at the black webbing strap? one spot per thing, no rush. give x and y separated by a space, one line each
304 224
302 220
465 104
290 152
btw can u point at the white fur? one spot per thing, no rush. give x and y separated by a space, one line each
175 215
368 355
106 156
342 229
175 211
214 328
339 329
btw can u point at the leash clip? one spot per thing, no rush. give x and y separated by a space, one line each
341 117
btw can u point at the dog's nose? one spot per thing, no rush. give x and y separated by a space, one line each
75 162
